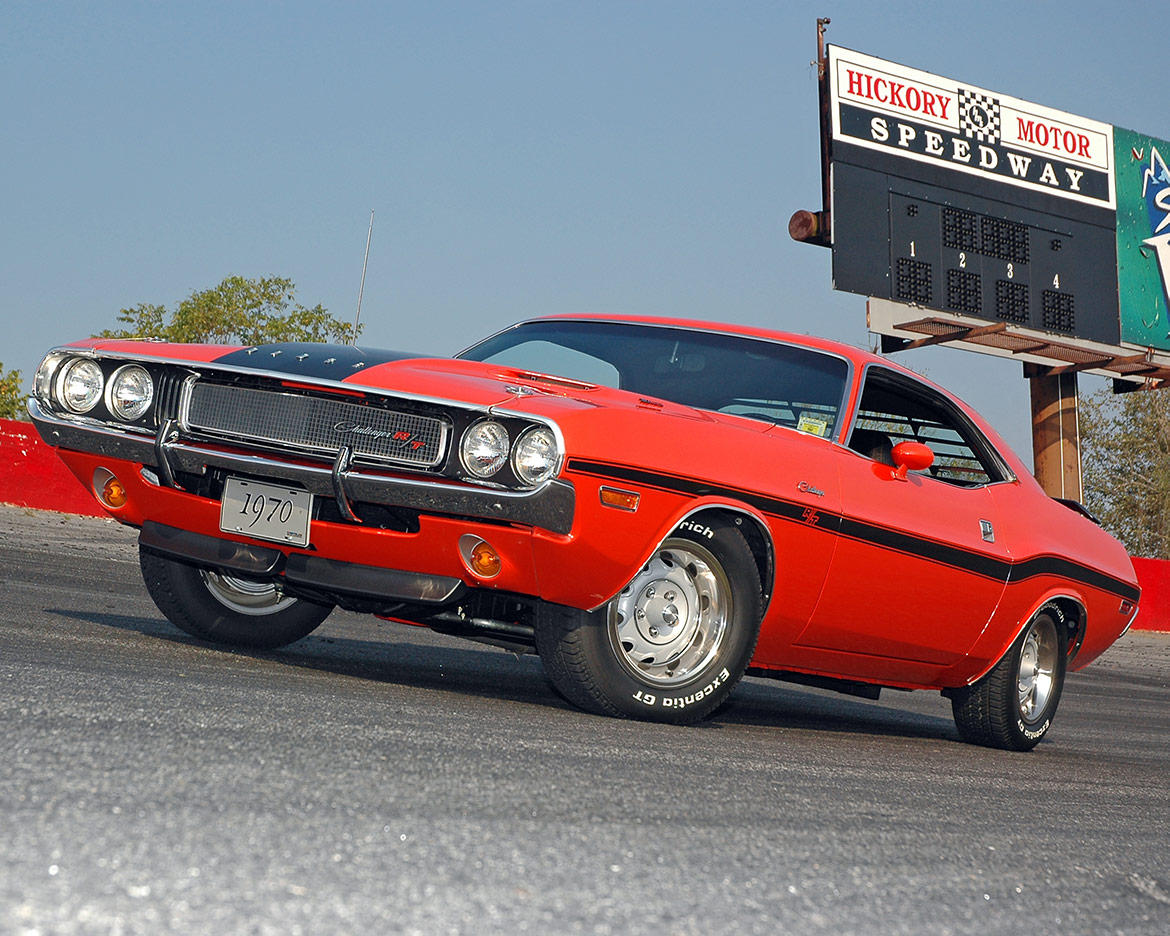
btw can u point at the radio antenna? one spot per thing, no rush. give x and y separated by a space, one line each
362 287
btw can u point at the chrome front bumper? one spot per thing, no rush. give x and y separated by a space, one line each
549 506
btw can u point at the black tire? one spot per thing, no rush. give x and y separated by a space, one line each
1012 707
673 643
226 609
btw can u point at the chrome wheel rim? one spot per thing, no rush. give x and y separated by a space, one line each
245 596
1037 673
668 624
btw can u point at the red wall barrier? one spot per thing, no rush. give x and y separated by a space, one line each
1154 578
31 474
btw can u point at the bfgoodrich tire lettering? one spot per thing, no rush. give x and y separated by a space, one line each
226 609
1012 707
673 643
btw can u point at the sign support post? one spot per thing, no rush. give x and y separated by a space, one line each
1056 457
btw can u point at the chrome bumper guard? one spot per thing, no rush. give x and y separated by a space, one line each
549 506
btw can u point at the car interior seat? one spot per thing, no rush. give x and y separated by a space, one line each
873 444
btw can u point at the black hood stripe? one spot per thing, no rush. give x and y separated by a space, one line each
313 360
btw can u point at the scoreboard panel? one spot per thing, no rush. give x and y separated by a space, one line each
952 251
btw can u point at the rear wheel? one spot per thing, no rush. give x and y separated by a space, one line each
672 644
225 608
1012 706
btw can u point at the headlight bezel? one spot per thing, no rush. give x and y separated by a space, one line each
55 387
509 468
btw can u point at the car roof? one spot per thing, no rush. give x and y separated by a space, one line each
859 356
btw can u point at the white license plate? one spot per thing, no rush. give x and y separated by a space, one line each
266 511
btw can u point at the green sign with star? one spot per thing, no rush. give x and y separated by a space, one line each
1143 237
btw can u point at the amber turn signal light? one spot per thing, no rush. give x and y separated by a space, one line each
113 493
622 500
479 556
108 489
485 561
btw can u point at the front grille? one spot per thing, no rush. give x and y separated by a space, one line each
313 424
168 389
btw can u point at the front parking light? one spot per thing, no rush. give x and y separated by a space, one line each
480 557
109 490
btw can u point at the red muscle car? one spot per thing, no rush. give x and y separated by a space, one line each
655 507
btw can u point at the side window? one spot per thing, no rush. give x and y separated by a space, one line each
895 409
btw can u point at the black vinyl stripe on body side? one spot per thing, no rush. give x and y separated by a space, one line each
1066 568
992 567
775 506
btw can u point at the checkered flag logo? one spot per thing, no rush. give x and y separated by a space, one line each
979 116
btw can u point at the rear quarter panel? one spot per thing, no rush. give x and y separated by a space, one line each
1057 552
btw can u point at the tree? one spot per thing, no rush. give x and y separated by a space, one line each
237 311
1125 467
11 395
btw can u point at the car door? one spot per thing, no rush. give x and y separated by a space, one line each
918 569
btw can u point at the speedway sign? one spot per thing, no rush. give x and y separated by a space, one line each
918 116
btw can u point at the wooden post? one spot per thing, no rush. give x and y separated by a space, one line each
1056 455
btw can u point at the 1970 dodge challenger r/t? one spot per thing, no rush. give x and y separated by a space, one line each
656 507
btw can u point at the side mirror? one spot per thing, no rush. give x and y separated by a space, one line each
911 456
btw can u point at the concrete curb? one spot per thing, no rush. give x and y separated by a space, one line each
31 475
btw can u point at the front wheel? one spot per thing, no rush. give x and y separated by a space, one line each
1012 706
672 644
225 608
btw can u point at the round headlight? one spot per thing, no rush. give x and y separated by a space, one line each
535 457
79 385
45 375
484 449
129 392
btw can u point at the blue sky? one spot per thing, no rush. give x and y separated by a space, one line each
522 158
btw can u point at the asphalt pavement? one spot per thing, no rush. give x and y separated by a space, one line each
376 778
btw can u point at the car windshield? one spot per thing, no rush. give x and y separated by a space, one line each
753 377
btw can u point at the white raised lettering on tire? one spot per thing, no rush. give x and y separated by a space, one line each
697 528
678 702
